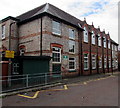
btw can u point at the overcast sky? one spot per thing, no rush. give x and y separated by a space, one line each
103 13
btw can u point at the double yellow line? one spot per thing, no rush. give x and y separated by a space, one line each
36 94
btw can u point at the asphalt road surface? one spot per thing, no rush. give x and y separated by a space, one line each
99 92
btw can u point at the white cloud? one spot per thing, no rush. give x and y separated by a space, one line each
106 16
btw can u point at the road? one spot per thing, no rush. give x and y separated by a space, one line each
99 92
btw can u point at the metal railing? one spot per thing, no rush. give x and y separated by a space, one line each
17 82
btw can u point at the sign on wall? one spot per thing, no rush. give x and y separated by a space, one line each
9 54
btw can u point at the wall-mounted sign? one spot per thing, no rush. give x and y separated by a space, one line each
9 54
65 57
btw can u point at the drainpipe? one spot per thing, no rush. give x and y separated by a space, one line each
97 56
103 55
111 58
90 56
41 38
107 56
9 65
80 52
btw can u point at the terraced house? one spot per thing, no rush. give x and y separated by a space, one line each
49 39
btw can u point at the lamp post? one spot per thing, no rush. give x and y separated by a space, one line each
9 65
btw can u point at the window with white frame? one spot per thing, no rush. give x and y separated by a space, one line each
71 63
3 31
105 62
115 48
116 64
56 28
56 54
15 68
109 44
71 33
93 37
86 62
85 35
99 41
109 62
71 46
100 62
104 42
93 61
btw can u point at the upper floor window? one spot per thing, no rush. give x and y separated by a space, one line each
93 37
104 41
71 46
56 54
56 28
3 31
109 44
71 34
99 40
85 35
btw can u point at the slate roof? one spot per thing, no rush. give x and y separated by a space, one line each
52 10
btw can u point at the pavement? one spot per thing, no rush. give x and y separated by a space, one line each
95 90
63 82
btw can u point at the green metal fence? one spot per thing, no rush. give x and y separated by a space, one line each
17 82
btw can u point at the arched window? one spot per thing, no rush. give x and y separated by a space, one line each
85 35
22 50
93 37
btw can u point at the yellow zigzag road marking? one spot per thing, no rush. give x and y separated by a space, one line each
36 94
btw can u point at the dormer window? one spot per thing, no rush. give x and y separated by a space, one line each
99 40
93 38
104 41
109 44
85 35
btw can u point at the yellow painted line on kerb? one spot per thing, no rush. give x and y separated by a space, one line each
86 82
36 94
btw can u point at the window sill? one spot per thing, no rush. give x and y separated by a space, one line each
85 42
58 35
71 53
3 38
72 39
56 62
86 69
73 70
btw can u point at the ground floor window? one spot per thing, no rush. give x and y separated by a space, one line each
109 62
116 64
86 64
15 68
100 62
105 62
71 63
56 54
93 61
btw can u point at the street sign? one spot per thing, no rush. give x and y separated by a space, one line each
9 54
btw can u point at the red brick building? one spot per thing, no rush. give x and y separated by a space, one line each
76 48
